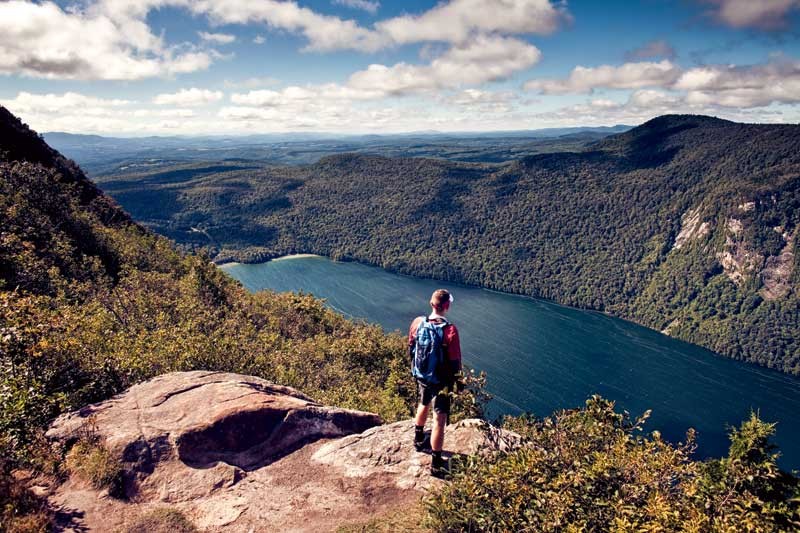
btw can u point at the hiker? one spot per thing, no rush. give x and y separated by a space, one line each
434 347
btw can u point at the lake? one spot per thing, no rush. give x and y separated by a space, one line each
541 356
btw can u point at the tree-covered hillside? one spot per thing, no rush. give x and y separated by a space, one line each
686 224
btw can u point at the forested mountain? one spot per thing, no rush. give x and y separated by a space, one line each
685 224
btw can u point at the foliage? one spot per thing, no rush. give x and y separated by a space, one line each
473 400
594 228
593 469
162 520
91 461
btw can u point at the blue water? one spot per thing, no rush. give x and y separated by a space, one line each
541 356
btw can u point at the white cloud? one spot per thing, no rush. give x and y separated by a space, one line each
366 5
713 85
43 40
219 38
259 39
26 102
742 86
324 32
482 60
625 76
189 97
458 20
760 14
111 39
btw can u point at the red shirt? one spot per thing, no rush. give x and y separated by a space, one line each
450 343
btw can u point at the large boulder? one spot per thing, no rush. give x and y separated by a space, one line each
387 450
236 453
182 434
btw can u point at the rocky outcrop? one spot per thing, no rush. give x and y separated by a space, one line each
182 435
237 453
385 449
692 228
777 273
738 260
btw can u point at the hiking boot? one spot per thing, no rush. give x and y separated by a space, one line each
439 467
420 439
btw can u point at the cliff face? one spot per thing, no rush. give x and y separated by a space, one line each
237 453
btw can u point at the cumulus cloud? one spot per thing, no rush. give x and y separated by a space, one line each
324 32
742 86
746 86
625 76
457 20
651 50
43 40
481 60
366 5
259 39
189 97
219 38
760 14
26 102
111 39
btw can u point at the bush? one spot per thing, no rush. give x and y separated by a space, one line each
93 463
593 469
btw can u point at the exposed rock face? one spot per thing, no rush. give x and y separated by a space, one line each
777 273
236 453
692 228
738 260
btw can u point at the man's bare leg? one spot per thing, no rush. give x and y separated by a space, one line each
422 415
437 435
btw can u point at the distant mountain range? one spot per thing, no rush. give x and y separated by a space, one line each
102 155
686 224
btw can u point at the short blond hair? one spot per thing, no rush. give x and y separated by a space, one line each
440 299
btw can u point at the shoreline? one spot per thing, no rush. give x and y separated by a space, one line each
280 258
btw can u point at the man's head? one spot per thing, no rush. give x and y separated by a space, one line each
440 301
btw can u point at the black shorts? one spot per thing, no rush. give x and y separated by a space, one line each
430 393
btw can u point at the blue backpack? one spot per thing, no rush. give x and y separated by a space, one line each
428 351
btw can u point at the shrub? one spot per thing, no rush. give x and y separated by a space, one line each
93 463
592 469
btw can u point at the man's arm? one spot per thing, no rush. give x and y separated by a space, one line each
452 348
412 335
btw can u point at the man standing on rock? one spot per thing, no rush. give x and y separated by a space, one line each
434 346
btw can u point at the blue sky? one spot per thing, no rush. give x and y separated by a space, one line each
141 67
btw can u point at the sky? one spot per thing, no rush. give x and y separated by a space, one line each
203 67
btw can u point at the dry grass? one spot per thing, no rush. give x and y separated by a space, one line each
93 463
162 520
405 520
